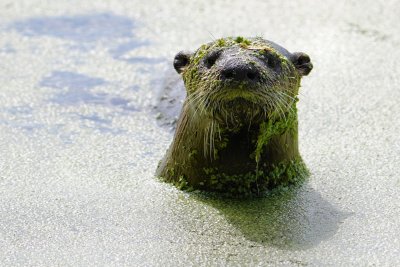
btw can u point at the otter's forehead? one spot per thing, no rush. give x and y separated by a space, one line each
233 44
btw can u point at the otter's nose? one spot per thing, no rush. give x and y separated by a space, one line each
240 72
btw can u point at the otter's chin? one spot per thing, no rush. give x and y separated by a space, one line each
239 111
239 103
238 93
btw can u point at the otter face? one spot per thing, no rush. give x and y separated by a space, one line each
236 80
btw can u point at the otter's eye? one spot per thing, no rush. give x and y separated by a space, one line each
211 58
272 61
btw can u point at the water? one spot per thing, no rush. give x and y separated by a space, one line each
80 140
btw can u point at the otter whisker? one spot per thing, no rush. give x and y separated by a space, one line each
285 94
205 141
281 105
289 103
212 140
197 103
219 132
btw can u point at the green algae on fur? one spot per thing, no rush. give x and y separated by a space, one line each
242 41
236 137
250 184
274 127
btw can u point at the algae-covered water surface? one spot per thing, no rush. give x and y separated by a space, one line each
80 140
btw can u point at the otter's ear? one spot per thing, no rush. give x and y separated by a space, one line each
181 61
302 63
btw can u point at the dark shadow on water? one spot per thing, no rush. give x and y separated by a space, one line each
295 219
144 60
120 53
71 80
7 49
75 88
21 118
95 118
171 94
95 121
79 28
121 49
87 30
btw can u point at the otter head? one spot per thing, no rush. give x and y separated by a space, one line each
237 81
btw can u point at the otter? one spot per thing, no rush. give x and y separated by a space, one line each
237 133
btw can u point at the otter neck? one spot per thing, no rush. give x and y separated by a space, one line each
202 143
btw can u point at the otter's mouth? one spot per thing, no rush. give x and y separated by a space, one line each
239 95
238 103
239 91
239 99
238 110
240 106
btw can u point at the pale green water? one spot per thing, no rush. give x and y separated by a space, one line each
80 144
